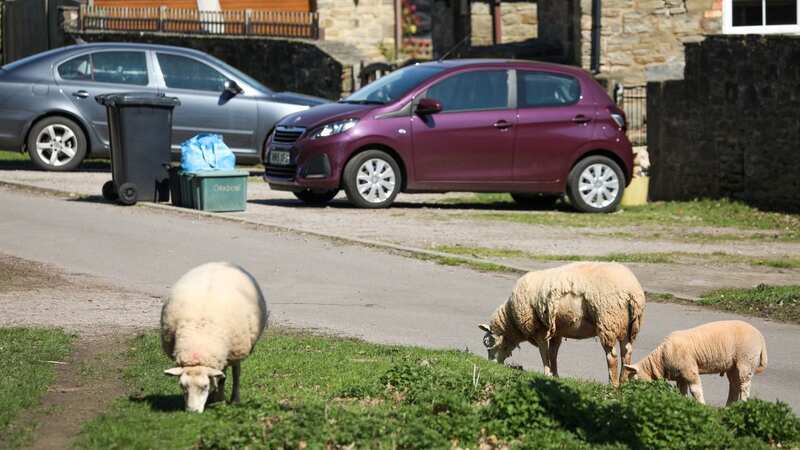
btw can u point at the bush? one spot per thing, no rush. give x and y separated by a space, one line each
515 410
774 423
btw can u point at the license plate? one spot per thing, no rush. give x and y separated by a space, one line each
279 158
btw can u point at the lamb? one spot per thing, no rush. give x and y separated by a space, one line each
728 347
577 301
212 318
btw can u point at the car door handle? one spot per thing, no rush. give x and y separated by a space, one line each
580 118
503 124
80 94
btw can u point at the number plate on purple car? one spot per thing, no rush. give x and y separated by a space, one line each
279 158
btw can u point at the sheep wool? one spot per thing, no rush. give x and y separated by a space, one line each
577 301
212 319
729 347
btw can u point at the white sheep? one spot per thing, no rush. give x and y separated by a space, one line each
728 347
577 301
212 318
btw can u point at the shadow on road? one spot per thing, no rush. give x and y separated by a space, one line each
342 204
87 166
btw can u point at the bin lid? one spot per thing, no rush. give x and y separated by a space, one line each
137 99
217 173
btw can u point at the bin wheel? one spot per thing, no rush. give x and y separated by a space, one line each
109 191
127 194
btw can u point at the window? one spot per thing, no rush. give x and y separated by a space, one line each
107 67
761 16
537 89
472 91
181 72
393 86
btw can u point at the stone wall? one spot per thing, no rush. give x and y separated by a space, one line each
643 39
730 128
280 64
365 24
519 21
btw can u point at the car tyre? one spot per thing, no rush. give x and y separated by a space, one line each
536 201
372 179
127 194
596 185
110 191
313 198
56 144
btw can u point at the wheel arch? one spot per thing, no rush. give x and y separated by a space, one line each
385 148
608 154
59 113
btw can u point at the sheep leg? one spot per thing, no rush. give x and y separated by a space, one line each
625 354
611 359
237 371
555 343
696 388
745 379
683 386
544 352
734 386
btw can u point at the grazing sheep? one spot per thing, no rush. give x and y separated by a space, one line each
577 301
211 320
728 347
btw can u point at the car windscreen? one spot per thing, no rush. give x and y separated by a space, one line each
241 75
393 86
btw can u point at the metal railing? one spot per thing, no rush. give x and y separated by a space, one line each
633 100
292 24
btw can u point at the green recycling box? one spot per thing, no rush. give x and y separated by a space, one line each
216 191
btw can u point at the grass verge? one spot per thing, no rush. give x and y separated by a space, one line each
304 391
770 302
786 262
690 214
26 373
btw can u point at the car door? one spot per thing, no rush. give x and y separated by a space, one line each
472 139
205 106
85 76
553 122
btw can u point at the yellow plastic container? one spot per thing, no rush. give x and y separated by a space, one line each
636 192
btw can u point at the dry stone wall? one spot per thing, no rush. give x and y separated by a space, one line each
365 24
730 128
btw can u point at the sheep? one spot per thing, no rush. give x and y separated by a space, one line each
729 347
213 317
577 301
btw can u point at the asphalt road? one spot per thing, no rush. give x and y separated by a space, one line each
338 288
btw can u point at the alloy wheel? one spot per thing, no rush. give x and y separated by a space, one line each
56 145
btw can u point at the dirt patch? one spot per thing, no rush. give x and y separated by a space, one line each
21 275
85 384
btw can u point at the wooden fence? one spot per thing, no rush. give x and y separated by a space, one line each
293 24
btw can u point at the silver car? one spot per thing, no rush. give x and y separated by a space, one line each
47 104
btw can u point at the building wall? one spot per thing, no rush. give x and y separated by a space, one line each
643 39
519 21
730 128
366 24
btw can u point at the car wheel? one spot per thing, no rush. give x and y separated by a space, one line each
536 201
596 185
310 197
56 143
372 179
127 194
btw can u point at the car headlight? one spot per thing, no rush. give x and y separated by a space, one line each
334 128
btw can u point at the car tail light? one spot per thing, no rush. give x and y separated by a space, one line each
618 117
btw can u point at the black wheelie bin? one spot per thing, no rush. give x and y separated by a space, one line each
140 132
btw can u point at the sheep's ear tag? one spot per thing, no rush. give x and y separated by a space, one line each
488 340
175 371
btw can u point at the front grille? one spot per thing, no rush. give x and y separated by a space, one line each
287 135
280 171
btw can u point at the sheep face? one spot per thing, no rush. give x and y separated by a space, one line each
197 383
635 372
496 346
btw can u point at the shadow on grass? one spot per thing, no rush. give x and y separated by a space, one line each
162 403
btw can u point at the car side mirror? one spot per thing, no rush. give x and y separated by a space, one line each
428 106
232 87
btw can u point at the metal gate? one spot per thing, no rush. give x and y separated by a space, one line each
31 26
633 100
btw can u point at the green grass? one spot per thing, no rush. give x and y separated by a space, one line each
786 262
772 302
698 213
25 374
305 391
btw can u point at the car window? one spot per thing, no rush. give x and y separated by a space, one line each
395 85
472 91
79 68
181 72
538 89
120 67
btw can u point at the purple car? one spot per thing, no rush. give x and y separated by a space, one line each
535 130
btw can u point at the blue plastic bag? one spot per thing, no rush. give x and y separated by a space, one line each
206 152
